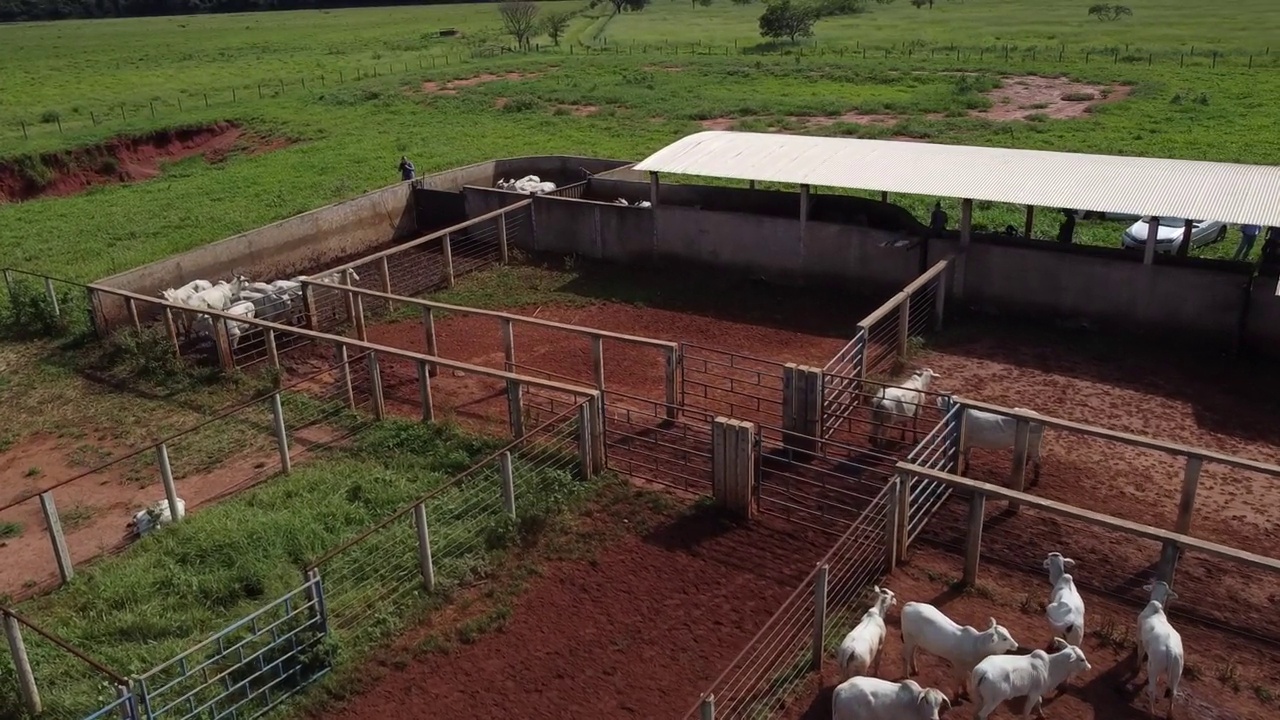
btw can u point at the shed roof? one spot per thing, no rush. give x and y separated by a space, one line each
1231 192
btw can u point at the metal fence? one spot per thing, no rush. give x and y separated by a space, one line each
939 450
36 306
726 383
61 695
642 442
808 627
246 669
895 331
823 488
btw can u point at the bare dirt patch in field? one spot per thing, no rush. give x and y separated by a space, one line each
1021 96
125 160
451 87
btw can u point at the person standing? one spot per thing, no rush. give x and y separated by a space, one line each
1248 235
406 168
1067 230
938 219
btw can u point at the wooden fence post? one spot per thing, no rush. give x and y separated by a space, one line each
282 435
940 299
597 361
891 524
904 516
733 465
904 327
273 353
1018 475
707 711
309 307
801 407
1186 507
22 665
502 238
672 381
349 298
584 441
515 408
357 302
52 296
132 306
508 484
508 345
166 478
375 387
429 329
819 617
425 565
222 343
384 269
60 554
424 392
447 248
973 543
599 450
171 329
344 372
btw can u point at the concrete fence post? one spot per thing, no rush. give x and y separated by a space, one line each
515 408
1186 508
22 665
362 332
344 375
50 293
429 331
584 441
166 478
425 566
801 407
1018 474
375 387
273 353
349 298
446 247
707 711
424 392
503 252
819 617
597 361
904 327
973 541
599 450
384 270
508 484
60 554
282 435
673 382
508 345
733 465
891 523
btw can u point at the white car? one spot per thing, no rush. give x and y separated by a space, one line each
1169 235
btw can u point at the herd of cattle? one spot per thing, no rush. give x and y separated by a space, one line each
989 665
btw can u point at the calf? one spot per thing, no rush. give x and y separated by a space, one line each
1065 610
860 649
1003 677
1159 645
926 627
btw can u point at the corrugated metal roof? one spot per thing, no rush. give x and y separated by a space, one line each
1230 192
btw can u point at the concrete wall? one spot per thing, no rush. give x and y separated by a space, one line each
1262 325
559 169
1189 297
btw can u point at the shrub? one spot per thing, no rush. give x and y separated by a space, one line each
50 116
30 313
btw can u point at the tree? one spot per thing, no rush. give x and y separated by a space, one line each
520 20
632 5
1109 12
555 25
783 19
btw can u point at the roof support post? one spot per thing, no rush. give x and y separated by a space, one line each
1031 218
751 184
1149 255
804 217
1185 248
653 202
884 196
966 227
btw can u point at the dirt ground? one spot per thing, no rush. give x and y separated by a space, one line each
129 159
638 630
1224 679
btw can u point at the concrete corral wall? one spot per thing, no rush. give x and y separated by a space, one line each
1262 323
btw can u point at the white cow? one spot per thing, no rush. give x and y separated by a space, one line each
867 698
243 308
860 649
990 431
179 295
1065 610
927 628
897 404
144 521
1159 645
1003 677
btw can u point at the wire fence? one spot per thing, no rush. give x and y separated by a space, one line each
174 105
61 694
39 306
808 627
58 525
448 540
642 442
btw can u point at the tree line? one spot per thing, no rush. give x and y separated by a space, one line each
28 10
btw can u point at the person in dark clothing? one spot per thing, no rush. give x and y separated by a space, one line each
1067 230
938 219
1248 235
1271 249
406 168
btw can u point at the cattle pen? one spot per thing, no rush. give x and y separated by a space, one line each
773 421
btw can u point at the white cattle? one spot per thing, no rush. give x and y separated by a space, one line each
1065 610
1003 677
897 404
927 628
866 698
144 521
179 295
990 431
243 308
860 649
219 297
1159 645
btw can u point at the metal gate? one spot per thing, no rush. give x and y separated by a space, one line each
720 382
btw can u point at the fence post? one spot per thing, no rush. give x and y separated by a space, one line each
128 708
425 566
309 306
904 516
864 332
53 296
819 617
672 382
801 407
357 301
26 679
597 361
222 343
132 306
904 327
1018 475
891 524
171 328
940 299
349 298
60 553
508 345
424 392
502 238
375 387
8 282
447 248
732 464
344 373
282 435
273 353
707 711
429 330
315 593
973 542
384 269
1186 506
584 440
508 484
166 478
515 408
599 452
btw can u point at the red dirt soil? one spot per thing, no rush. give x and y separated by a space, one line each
639 631
451 87
129 159
1107 692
